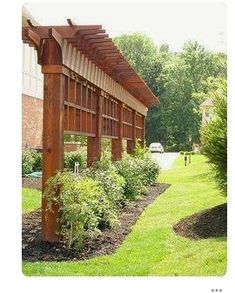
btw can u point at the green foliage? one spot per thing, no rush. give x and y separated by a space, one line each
91 202
138 171
105 173
70 158
83 206
214 137
75 138
37 165
27 162
149 168
139 50
181 152
177 79
31 161
130 169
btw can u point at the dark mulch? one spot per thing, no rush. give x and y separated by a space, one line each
32 182
209 223
33 249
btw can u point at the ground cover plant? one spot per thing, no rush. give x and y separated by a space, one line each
153 247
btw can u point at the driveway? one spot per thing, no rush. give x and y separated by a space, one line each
165 160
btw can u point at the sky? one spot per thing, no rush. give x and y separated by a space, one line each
164 23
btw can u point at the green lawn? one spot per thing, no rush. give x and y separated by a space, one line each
152 248
31 199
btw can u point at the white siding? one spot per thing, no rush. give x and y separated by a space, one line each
32 78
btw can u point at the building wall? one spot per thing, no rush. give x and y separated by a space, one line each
32 121
32 103
32 78
207 115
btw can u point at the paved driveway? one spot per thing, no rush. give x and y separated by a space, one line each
165 160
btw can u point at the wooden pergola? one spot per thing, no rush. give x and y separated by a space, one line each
90 90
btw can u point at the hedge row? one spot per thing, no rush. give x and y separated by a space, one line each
32 160
91 201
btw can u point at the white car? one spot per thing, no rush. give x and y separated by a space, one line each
156 147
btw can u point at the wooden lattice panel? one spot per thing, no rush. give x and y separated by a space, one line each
109 117
127 123
80 107
139 126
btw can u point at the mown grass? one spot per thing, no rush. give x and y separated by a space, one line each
152 248
31 199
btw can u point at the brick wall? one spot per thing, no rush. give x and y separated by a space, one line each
32 121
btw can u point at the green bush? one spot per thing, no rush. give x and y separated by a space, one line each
90 202
27 162
113 184
181 153
149 167
193 153
70 158
37 165
83 206
214 138
31 161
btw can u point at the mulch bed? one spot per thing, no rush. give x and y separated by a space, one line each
33 249
209 223
30 182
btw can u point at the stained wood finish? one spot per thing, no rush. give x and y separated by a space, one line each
89 89
131 143
117 143
94 143
53 136
84 44
53 147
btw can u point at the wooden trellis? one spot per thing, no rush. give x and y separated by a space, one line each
90 90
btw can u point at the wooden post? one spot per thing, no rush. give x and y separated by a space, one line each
94 143
53 133
131 143
117 143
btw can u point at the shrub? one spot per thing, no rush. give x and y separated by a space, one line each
37 165
27 162
214 138
106 174
193 153
90 202
71 157
181 152
150 168
31 161
130 169
83 206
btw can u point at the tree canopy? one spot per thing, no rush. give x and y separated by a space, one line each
179 80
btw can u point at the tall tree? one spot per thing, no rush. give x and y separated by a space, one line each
177 79
139 50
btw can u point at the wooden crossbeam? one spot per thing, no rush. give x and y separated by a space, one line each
32 36
55 35
96 37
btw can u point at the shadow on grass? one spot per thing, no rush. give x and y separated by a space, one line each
203 177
